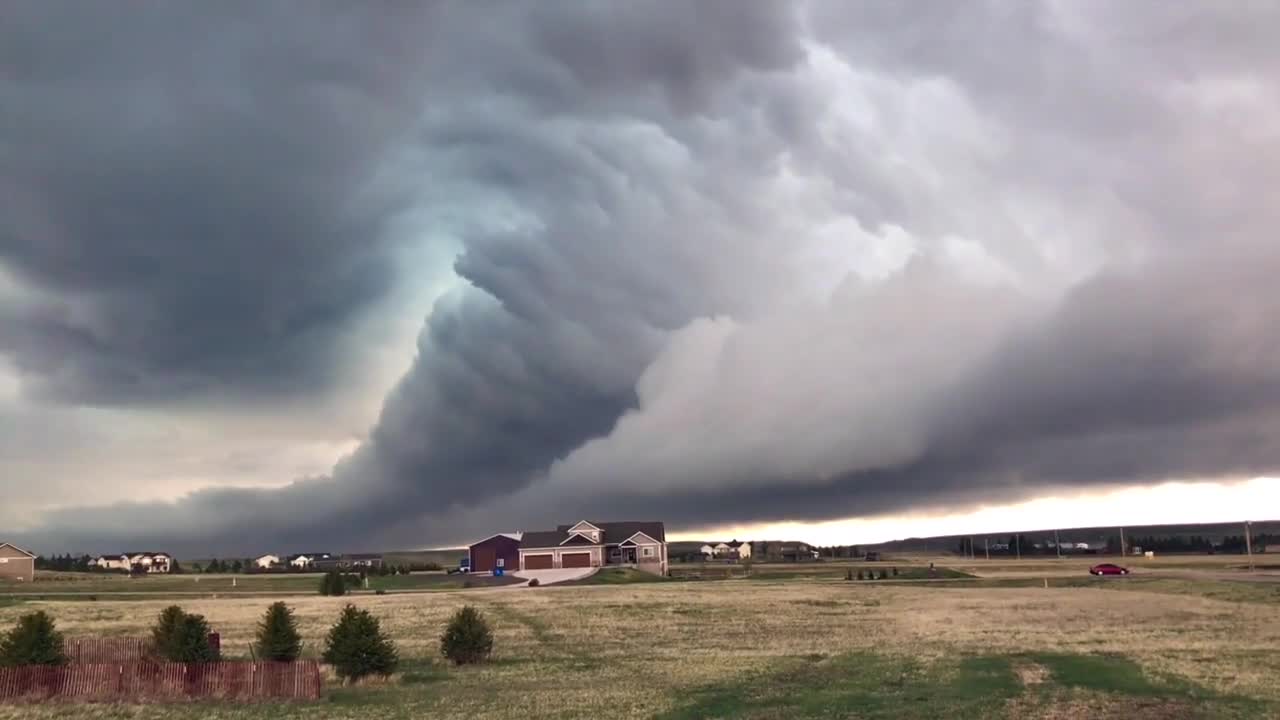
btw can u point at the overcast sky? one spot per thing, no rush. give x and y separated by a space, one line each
287 274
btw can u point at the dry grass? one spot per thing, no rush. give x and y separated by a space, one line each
635 650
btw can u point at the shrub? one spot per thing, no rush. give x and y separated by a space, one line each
895 571
33 641
166 628
333 584
467 639
278 637
379 591
467 584
534 583
356 647
848 574
859 574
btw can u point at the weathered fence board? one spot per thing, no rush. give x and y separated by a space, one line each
152 681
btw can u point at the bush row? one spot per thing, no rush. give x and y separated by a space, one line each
355 646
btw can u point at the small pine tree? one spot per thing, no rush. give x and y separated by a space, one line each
467 639
165 629
191 641
33 641
356 647
278 637
848 574
333 584
860 575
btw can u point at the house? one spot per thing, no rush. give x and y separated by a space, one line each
313 561
642 545
496 551
708 551
266 562
722 549
362 560
16 563
744 551
135 562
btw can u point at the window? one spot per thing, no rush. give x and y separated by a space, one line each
647 552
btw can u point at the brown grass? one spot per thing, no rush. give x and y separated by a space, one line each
627 651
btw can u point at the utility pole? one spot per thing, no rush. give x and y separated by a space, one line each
1057 544
1248 543
1122 553
986 546
1017 542
972 555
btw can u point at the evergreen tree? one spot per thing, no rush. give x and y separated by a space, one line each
278 637
166 629
33 641
467 639
356 646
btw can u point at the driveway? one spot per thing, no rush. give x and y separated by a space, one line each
551 577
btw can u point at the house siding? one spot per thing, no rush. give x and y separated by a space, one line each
16 565
484 554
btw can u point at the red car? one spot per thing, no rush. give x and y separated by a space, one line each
1108 569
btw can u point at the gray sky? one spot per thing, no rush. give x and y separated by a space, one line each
278 274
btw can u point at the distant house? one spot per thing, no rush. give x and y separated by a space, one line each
362 560
16 563
744 551
708 551
791 552
266 562
313 561
135 562
642 545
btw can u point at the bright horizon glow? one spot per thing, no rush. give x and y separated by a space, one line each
1173 503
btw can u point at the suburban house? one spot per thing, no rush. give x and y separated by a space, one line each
266 562
642 545
313 561
784 552
733 550
16 563
496 551
135 562
362 560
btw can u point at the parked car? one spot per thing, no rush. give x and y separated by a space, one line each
1108 569
464 566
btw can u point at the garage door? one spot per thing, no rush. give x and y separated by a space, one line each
570 560
537 562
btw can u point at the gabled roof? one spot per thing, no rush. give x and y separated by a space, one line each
147 552
613 533
517 536
578 539
24 551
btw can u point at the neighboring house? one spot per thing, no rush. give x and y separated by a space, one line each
136 562
313 561
16 563
744 551
707 551
266 562
501 550
722 549
642 545
362 560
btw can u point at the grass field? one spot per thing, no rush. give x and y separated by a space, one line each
793 646
120 587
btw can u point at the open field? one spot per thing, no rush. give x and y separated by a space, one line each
778 648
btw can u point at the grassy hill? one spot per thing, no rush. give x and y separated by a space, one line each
1215 532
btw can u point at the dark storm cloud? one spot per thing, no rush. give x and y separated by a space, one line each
190 192
637 190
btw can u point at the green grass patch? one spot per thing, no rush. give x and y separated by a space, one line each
617 576
860 685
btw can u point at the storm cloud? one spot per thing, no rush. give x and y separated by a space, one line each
720 263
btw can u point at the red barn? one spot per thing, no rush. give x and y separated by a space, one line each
503 546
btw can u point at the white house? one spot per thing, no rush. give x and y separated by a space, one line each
744 551
707 551
266 562
148 562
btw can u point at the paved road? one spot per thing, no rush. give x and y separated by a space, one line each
550 577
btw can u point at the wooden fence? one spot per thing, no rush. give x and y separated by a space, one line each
98 650
160 682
